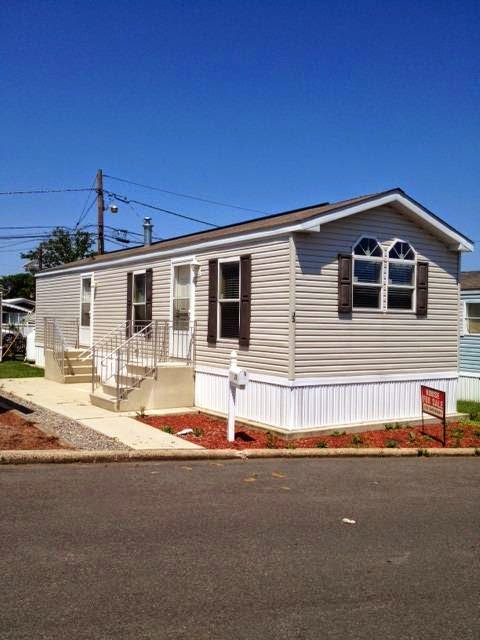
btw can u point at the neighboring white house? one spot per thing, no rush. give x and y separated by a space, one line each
14 311
338 311
469 381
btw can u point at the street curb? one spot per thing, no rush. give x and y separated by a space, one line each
143 455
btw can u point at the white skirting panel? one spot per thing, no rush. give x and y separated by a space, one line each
469 387
39 356
304 404
260 401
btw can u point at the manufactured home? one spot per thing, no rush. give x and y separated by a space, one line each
339 312
469 374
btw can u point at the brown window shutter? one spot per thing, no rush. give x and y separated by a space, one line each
422 288
344 283
245 299
129 303
212 301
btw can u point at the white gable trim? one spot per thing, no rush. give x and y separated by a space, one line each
456 241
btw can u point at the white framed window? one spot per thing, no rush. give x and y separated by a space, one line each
401 276
472 318
139 300
368 260
229 298
181 296
86 301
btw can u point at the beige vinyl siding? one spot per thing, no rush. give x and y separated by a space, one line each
110 309
372 342
57 297
268 350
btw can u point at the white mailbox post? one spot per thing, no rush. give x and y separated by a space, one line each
237 379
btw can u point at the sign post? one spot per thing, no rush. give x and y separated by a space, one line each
434 403
237 379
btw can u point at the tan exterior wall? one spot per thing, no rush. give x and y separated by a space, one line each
372 342
57 297
268 351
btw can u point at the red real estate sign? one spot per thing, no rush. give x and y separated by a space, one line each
433 402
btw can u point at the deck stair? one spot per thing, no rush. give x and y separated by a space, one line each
152 368
75 368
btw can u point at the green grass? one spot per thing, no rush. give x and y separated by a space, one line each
15 369
470 407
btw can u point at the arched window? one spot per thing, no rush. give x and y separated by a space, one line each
401 276
367 274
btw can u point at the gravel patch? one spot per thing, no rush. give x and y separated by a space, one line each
71 431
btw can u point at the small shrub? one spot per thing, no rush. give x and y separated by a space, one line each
423 452
321 444
271 440
412 437
427 437
197 432
141 412
357 439
291 445
457 433
339 433
476 433
389 427
167 429
391 444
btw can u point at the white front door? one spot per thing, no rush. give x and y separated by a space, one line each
86 312
180 331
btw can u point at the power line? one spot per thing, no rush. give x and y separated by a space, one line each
36 191
126 200
85 211
184 195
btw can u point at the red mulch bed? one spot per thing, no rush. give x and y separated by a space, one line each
18 433
212 435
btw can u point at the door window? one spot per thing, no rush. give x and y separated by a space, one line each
181 296
86 302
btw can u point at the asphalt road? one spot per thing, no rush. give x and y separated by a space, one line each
242 550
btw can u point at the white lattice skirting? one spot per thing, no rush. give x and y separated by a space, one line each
309 403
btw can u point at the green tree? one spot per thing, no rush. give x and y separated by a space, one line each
18 285
63 246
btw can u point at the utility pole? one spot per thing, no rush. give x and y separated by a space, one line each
100 210
40 256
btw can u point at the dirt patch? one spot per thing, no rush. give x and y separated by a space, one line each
18 433
210 432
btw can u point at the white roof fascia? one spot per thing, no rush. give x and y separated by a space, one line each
460 243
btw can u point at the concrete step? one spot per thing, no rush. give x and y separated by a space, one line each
76 361
125 382
105 401
72 379
77 369
137 369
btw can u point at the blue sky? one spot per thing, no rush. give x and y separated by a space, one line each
268 105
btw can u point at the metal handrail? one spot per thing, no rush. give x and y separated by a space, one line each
55 342
119 330
139 355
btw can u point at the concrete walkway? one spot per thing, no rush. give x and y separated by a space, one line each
73 401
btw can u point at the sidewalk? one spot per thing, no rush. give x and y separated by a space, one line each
72 401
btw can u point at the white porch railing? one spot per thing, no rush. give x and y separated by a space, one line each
55 342
150 343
